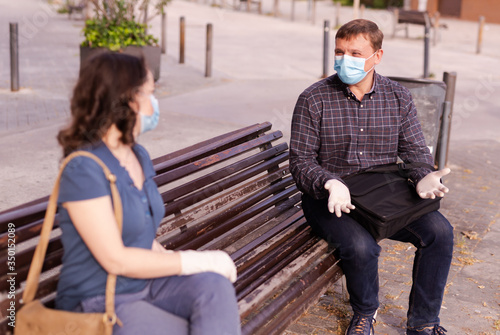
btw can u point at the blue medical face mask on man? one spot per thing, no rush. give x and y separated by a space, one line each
149 122
351 70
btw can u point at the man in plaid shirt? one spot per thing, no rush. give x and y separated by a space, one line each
350 121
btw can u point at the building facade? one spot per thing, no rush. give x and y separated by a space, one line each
462 9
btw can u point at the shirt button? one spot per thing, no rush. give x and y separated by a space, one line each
361 153
361 129
361 106
371 97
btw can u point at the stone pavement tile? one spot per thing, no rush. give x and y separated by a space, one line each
328 316
48 65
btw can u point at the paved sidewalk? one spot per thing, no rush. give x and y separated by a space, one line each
261 64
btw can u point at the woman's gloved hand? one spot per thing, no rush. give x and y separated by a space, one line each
208 261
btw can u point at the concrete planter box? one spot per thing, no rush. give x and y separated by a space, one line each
151 54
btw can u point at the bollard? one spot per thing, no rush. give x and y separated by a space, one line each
426 46
163 32
313 12
337 14
355 7
293 10
362 11
182 39
208 58
437 16
480 35
326 51
14 57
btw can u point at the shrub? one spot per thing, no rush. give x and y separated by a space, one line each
115 26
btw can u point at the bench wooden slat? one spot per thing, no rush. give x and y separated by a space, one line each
320 265
22 214
243 234
268 289
275 259
251 245
24 233
209 147
23 261
196 184
206 162
412 16
243 291
187 153
250 252
186 237
237 219
216 205
175 206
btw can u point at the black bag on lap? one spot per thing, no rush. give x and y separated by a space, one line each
386 200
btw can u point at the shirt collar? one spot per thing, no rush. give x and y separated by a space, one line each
347 91
144 160
114 165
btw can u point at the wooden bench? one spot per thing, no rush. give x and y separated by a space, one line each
76 8
403 18
249 4
233 192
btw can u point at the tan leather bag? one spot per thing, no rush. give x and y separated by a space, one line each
36 319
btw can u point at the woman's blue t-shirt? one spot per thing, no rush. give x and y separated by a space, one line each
81 275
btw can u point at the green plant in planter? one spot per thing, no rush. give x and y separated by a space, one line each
116 35
115 25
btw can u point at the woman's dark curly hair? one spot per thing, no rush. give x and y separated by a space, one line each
106 85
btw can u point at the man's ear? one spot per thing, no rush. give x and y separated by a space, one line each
378 56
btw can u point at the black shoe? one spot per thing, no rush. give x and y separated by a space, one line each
436 330
361 325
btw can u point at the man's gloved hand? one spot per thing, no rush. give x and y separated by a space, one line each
340 198
430 186
208 261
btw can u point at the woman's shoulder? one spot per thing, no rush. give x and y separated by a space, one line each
141 151
145 160
83 178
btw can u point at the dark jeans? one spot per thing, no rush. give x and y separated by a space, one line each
431 234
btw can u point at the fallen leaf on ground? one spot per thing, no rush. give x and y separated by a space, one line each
471 235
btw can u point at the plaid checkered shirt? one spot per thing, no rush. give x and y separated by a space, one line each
334 134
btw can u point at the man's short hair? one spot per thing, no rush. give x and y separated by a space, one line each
363 27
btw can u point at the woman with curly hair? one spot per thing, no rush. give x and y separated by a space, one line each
158 291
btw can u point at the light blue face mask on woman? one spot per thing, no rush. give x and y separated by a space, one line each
149 122
351 70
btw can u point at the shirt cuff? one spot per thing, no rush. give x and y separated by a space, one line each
417 174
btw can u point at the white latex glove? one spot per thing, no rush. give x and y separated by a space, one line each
340 198
430 186
208 261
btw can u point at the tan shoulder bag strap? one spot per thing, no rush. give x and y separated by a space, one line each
48 223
